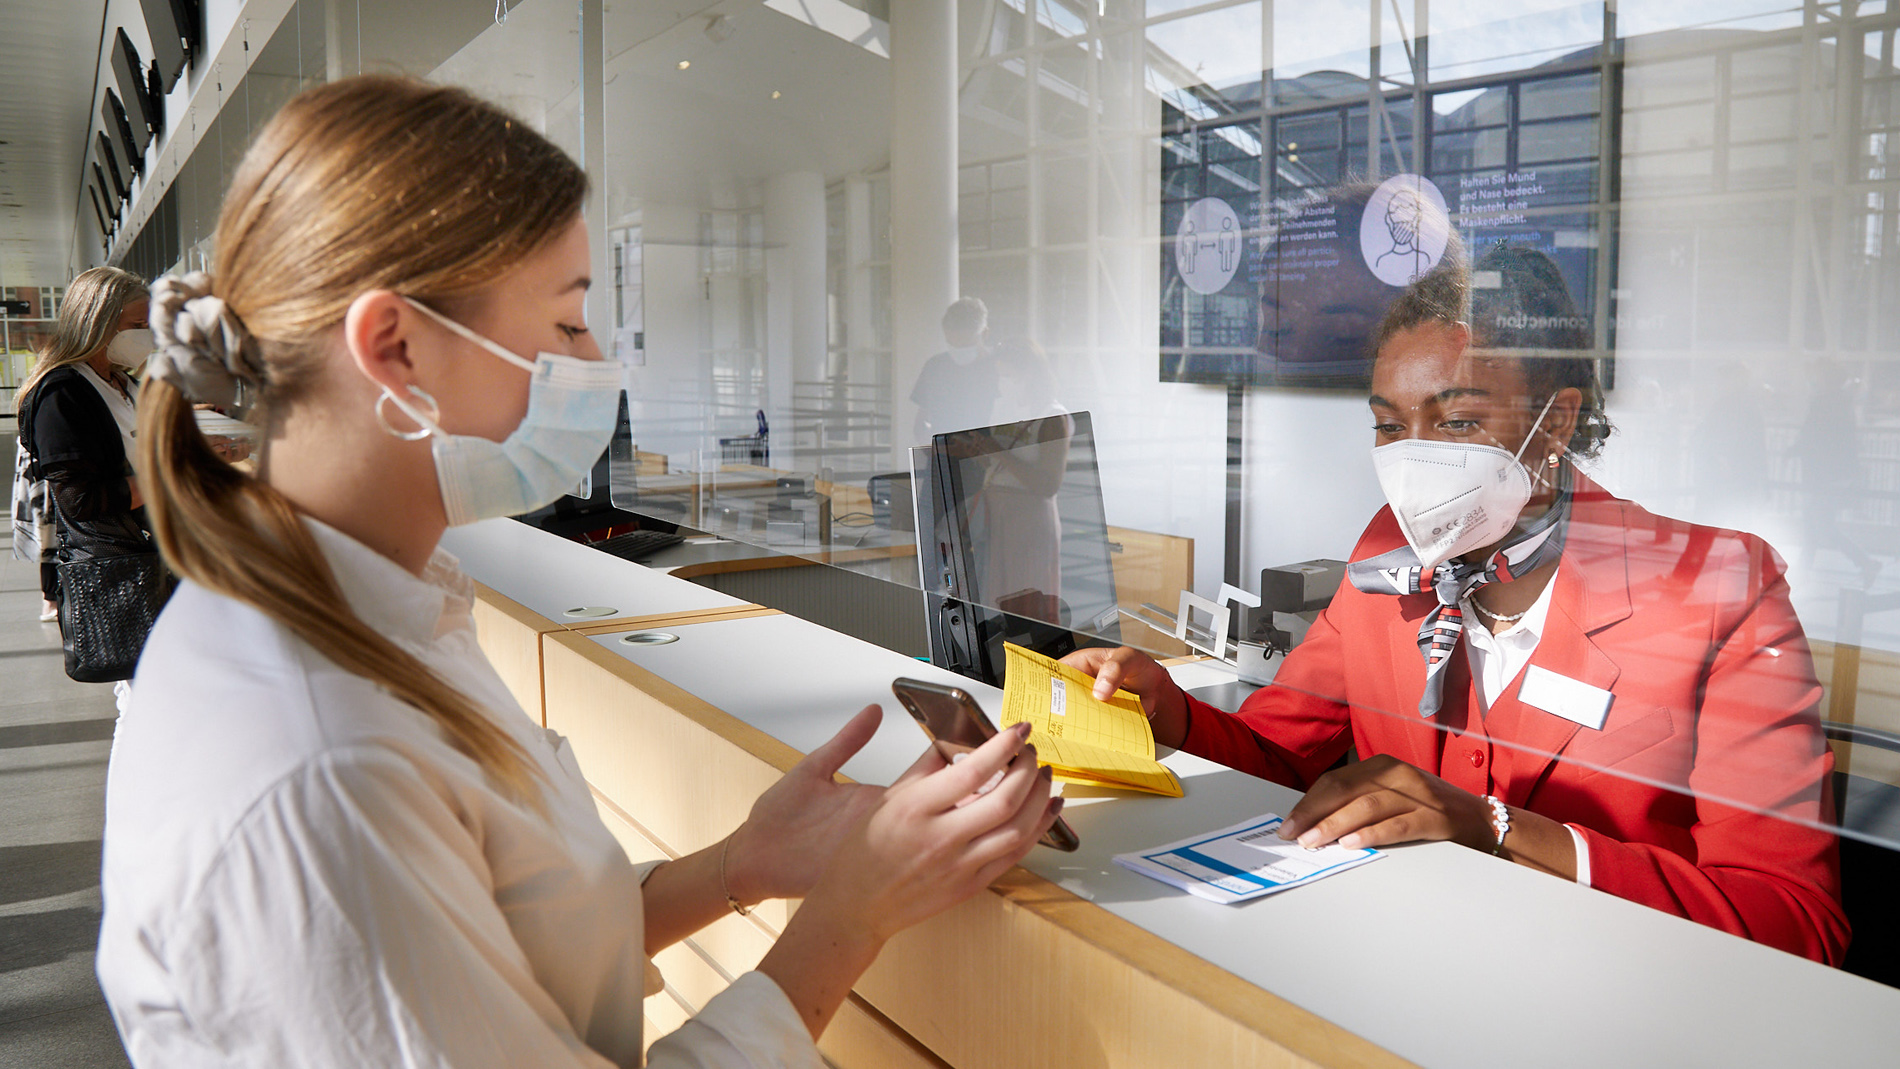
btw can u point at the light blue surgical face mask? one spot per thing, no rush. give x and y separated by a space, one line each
572 405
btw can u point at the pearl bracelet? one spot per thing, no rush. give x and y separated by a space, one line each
1500 821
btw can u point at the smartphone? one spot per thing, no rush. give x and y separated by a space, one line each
957 725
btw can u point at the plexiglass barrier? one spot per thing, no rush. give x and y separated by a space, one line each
1060 309
1179 230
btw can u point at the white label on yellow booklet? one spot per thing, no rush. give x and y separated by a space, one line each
1103 743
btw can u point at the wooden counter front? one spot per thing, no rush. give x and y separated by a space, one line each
1025 974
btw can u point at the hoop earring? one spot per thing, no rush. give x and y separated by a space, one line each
421 432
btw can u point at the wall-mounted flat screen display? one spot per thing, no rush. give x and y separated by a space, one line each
173 28
112 117
102 150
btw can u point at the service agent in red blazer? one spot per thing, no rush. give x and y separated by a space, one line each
1662 743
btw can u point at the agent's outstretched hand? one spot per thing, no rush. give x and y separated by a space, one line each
1136 672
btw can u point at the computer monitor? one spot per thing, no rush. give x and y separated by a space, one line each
589 506
1018 548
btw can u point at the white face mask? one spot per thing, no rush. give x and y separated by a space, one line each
1453 497
572 406
129 348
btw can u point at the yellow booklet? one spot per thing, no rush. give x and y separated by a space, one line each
1084 740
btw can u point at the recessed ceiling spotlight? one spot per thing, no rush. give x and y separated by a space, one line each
685 63
775 94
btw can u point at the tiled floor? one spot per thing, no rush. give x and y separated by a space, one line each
54 737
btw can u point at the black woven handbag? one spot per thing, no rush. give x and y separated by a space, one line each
107 606
112 585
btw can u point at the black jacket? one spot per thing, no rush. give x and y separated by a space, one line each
73 443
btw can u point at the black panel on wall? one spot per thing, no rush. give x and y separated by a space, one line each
130 75
98 210
112 115
105 193
103 150
168 46
141 111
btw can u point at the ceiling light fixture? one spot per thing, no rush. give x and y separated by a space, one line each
774 94
685 63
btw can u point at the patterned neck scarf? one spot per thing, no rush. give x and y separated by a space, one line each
1399 573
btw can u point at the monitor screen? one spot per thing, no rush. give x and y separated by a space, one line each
1022 539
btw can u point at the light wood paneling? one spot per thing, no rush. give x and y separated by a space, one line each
686 771
646 623
632 838
973 984
966 985
1152 568
665 1013
802 560
1862 687
510 634
862 1038
735 943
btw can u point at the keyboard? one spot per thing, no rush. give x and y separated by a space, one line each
635 545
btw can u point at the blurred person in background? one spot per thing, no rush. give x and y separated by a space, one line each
78 413
957 388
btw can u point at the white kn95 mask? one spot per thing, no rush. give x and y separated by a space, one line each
1453 497
129 348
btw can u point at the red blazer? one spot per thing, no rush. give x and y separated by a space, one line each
1714 721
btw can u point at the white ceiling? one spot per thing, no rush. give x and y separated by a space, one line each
706 136
674 136
49 53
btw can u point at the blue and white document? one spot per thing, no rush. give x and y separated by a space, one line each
1242 862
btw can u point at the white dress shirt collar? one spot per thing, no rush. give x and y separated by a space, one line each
388 597
1496 659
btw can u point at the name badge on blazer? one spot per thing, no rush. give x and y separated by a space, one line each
1571 699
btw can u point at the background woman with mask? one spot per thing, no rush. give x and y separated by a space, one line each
332 836
78 411
1540 669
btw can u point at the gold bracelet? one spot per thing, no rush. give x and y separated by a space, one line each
724 849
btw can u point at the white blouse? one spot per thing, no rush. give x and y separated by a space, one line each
1496 660
124 407
301 871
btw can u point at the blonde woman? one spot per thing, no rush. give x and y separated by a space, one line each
332 837
77 411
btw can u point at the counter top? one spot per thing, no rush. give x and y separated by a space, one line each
551 576
1440 954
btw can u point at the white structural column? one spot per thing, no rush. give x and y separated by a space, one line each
923 194
795 302
592 56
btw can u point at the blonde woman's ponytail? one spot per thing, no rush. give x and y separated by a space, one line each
237 536
368 183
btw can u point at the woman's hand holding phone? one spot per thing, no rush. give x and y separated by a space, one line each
916 855
796 826
933 841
